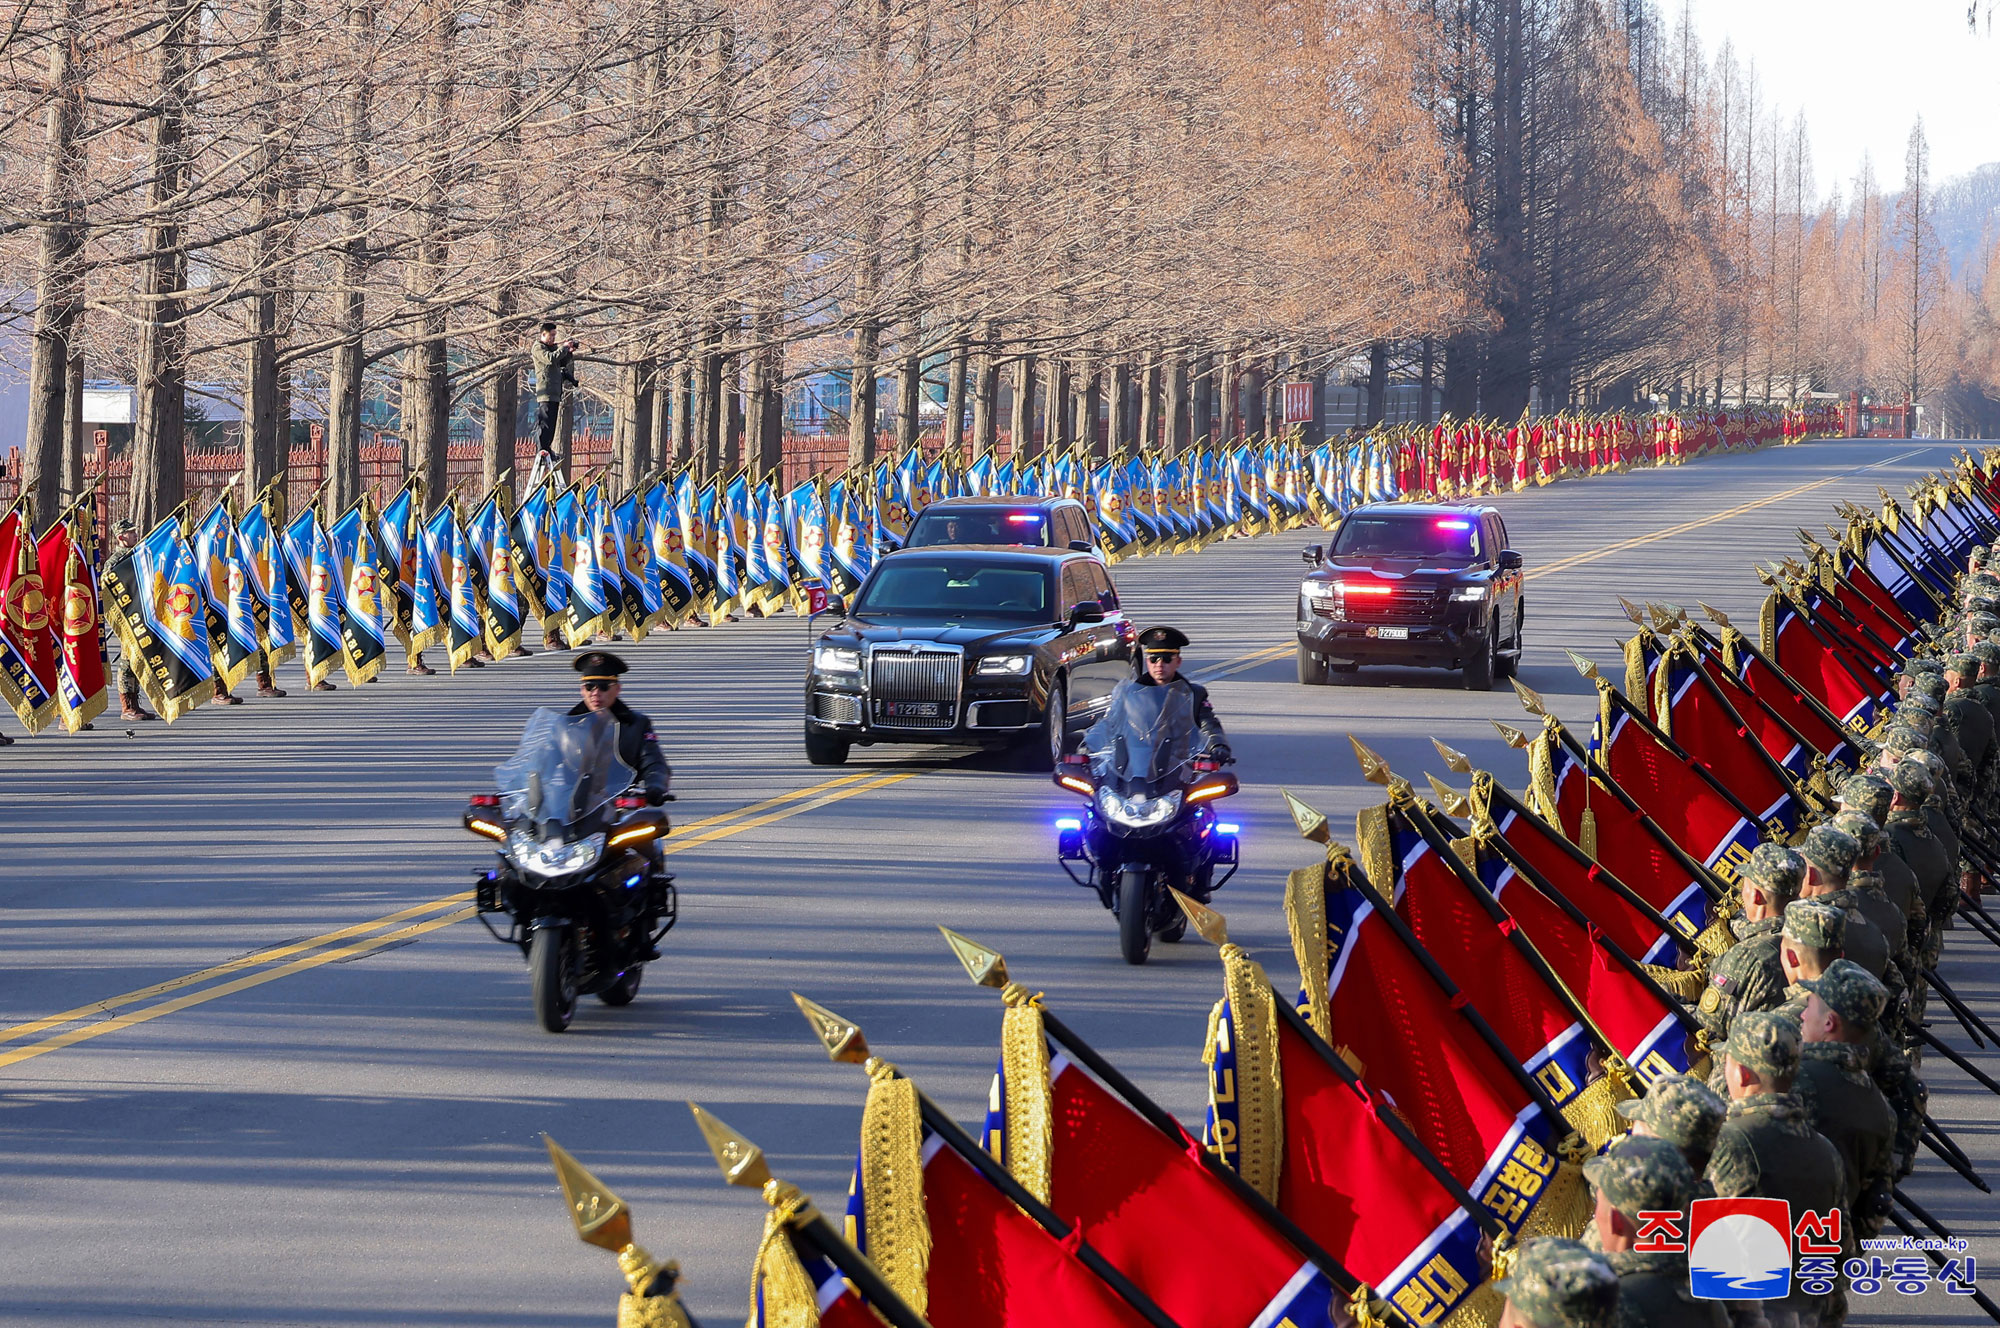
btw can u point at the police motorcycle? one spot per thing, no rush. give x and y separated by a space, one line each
579 875
1148 820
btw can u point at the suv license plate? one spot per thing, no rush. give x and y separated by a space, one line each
1395 633
910 709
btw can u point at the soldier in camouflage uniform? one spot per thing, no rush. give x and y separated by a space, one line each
1685 1112
1768 1147
1910 836
1871 795
1840 1019
1811 940
1867 894
1557 1283
1747 975
1830 855
1968 710
1641 1175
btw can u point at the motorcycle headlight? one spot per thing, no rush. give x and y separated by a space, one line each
1468 594
1137 812
836 659
552 857
1004 666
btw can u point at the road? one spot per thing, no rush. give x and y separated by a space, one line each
342 1126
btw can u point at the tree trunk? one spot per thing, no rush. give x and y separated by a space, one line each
909 401
954 396
1085 399
266 405
1201 398
343 425
664 378
159 442
712 410
1021 415
503 424
861 410
59 270
1178 412
1426 376
426 366
1315 430
73 431
1056 435
1378 382
1149 402
1118 395
985 396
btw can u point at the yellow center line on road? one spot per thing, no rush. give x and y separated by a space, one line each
1240 663
751 817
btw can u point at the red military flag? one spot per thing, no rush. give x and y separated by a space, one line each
1602 820
1478 949
1678 796
1692 709
1094 1159
950 1243
30 658
64 560
1815 664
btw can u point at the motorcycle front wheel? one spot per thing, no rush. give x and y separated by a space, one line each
552 978
1135 932
625 989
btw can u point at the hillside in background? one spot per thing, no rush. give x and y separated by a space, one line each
1967 212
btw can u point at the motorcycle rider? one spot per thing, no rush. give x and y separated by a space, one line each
1160 648
638 746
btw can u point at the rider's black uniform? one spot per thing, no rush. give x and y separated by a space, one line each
1215 741
639 748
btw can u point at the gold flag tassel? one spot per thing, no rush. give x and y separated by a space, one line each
602 1219
1024 1059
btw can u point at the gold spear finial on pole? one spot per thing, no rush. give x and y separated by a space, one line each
1208 924
1531 700
1631 611
985 966
1715 615
741 1161
841 1037
1454 760
601 1217
1453 802
1311 822
1512 736
1583 666
1373 768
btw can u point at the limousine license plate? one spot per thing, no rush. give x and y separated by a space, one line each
1395 633
910 709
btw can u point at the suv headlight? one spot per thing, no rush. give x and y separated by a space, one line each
1325 596
836 659
1005 666
552 857
1468 594
1137 812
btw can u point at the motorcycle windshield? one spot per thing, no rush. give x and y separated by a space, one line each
1146 740
565 770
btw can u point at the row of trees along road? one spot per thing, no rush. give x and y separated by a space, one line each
1148 212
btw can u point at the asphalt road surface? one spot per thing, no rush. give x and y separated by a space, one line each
298 1085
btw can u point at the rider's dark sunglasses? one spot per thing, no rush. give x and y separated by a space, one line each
599 686
1158 656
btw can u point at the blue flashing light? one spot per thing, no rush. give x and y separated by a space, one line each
1228 828
1069 823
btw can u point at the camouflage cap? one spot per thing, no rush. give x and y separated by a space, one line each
1813 923
1922 664
1867 794
1766 1043
1987 652
1681 1109
1902 737
1866 829
1851 992
1640 1175
1977 557
1774 869
1556 1283
1919 710
1830 851
1964 664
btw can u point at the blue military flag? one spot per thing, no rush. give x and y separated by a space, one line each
979 477
465 630
853 544
590 608
771 528
363 638
806 523
669 570
153 601
502 618
229 606
396 545
296 547
697 553
534 550
264 560
325 616
639 584
732 590
431 605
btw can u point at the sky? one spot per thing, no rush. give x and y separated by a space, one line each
1862 71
